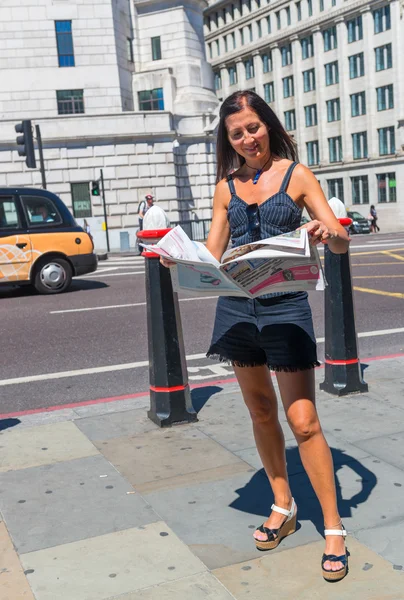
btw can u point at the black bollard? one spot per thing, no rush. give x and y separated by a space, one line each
342 367
170 398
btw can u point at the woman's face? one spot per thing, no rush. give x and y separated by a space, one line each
247 134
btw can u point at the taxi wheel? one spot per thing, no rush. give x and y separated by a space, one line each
52 276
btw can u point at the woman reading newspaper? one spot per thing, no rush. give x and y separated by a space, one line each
261 191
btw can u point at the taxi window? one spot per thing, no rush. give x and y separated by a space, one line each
9 218
40 211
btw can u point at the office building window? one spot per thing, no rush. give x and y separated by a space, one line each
356 66
336 188
299 10
266 62
233 39
360 189
258 3
278 19
387 144
269 92
385 97
309 80
218 81
310 7
269 28
64 43
249 69
129 50
249 5
333 110
384 59
386 187
333 2
208 22
288 17
233 12
156 48
241 31
151 99
355 29
250 33
310 113
313 157
81 200
360 145
217 47
331 73
288 87
321 3
307 47
210 50
232 75
226 46
330 39
335 149
259 29
224 16
286 53
358 104
70 102
381 18
290 120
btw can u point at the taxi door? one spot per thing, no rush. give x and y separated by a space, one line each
15 244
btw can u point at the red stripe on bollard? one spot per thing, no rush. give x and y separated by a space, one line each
176 388
351 361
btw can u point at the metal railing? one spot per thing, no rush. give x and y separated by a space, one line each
196 230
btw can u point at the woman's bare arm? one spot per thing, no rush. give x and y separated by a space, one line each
324 227
219 233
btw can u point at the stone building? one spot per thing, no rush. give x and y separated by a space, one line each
333 71
118 85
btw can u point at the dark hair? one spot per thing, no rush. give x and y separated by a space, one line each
281 144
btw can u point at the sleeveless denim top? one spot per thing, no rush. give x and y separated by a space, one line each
278 214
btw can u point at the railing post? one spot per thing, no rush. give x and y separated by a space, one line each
342 367
170 398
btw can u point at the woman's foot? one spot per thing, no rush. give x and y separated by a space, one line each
274 521
335 545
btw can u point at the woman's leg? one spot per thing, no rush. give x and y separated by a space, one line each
260 398
298 397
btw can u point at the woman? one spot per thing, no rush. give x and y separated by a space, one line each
265 196
373 214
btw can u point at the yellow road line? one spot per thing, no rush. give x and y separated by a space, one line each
388 253
376 276
379 292
372 264
377 252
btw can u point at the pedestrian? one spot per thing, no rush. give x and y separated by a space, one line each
264 197
86 227
143 207
373 220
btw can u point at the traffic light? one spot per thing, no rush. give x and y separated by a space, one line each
25 143
95 188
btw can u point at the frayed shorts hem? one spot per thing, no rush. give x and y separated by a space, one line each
271 367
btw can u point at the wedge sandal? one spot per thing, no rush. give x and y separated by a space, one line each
340 574
275 536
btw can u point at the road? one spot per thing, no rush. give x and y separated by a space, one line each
91 343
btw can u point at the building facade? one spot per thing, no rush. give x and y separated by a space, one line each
333 71
118 85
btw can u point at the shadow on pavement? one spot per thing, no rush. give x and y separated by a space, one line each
256 497
7 423
86 284
22 291
200 396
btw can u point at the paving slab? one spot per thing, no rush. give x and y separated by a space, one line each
203 586
117 424
217 519
42 418
13 583
296 575
102 408
389 448
110 565
43 445
64 502
387 540
161 459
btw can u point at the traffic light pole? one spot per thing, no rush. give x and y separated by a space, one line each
105 209
41 160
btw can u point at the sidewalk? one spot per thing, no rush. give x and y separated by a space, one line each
100 504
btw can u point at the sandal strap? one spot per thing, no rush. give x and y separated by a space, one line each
334 558
284 511
335 532
271 534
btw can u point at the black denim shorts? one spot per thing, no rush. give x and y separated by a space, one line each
277 332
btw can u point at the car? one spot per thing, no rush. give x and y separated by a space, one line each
40 242
360 224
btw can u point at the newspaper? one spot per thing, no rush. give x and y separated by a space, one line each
283 263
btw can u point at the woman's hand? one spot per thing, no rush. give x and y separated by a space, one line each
166 262
318 232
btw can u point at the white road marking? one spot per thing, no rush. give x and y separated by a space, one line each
73 310
218 369
99 274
